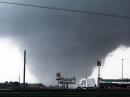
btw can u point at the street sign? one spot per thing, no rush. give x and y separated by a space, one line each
58 75
98 63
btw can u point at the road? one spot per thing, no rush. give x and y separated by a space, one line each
64 93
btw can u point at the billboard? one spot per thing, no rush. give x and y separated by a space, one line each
68 80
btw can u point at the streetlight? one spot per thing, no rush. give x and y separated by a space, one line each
99 65
122 68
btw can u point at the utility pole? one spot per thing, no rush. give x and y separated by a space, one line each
24 68
122 67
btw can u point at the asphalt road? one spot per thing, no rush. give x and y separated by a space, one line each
64 93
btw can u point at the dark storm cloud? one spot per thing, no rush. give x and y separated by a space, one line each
67 42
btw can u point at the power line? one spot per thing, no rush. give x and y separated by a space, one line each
67 10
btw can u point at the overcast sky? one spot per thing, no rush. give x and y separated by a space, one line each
68 42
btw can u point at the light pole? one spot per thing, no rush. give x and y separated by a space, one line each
24 68
99 65
122 68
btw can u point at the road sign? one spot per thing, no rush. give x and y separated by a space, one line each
58 75
98 63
